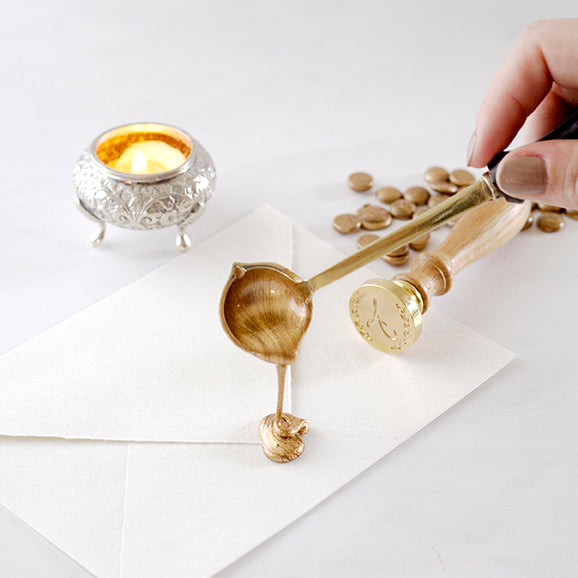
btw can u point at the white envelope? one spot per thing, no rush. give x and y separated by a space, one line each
151 364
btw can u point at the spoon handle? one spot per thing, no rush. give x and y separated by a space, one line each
472 196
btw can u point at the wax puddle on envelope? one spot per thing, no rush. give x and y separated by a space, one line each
191 509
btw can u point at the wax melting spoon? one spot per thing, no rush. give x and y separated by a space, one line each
266 308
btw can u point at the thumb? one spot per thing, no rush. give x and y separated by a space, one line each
546 172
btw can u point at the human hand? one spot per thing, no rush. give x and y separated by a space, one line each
537 87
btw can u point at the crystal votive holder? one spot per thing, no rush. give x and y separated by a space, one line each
144 176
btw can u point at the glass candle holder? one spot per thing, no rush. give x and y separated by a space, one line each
144 176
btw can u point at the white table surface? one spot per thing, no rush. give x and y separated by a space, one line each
487 489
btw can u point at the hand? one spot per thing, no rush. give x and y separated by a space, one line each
536 87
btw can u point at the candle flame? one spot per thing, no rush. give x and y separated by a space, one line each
139 163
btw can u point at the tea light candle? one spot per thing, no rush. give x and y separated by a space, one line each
148 157
143 149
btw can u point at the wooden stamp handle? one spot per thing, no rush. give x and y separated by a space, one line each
476 234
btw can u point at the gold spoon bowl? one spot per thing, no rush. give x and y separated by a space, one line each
266 310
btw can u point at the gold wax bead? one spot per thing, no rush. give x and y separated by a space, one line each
436 175
388 194
549 208
398 257
435 200
403 250
572 214
550 222
366 239
371 212
397 261
462 178
417 195
376 225
444 187
402 209
346 223
373 217
420 243
420 210
360 182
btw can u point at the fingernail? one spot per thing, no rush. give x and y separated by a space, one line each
471 148
521 176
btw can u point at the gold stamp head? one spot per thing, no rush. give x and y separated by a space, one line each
387 314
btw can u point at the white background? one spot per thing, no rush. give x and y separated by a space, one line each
487 489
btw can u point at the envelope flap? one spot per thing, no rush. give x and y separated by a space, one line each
151 362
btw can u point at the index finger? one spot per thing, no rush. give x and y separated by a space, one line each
544 59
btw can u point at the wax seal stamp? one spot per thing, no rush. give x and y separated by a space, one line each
386 314
144 176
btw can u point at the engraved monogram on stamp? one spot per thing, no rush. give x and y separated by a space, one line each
380 322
